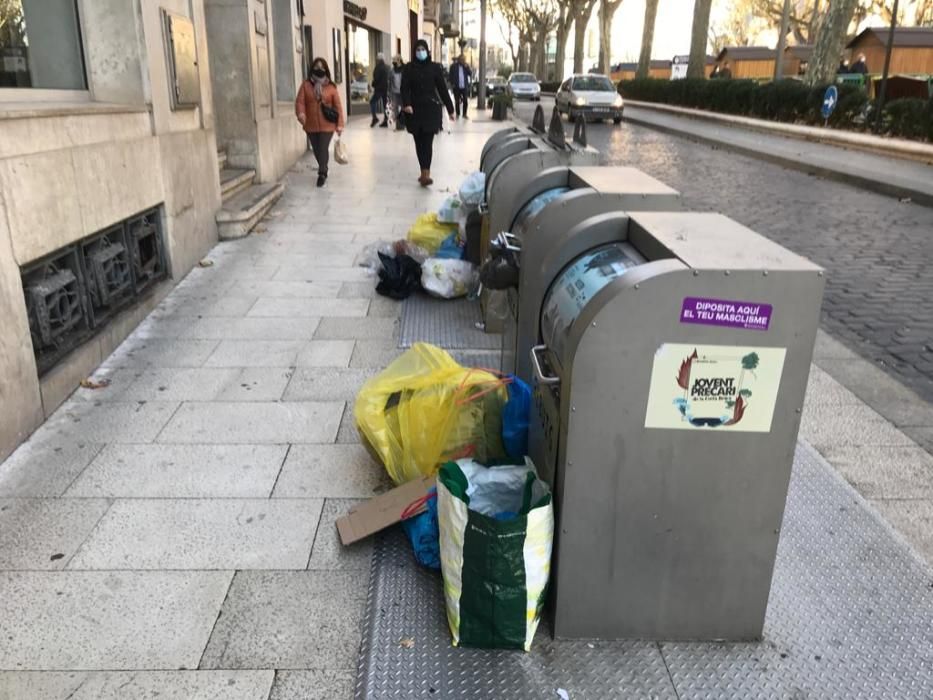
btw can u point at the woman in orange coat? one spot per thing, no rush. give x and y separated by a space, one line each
320 112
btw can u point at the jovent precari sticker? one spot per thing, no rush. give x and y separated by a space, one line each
714 387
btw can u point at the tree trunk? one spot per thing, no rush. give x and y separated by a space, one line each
582 11
563 32
699 37
607 9
647 39
830 42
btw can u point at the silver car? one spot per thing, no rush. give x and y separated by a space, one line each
524 86
591 96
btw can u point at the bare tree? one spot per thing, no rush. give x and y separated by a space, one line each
541 16
562 32
647 39
607 10
699 36
582 11
830 41
12 23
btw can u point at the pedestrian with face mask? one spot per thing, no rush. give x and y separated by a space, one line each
424 91
320 112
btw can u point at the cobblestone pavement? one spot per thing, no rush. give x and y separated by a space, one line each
877 250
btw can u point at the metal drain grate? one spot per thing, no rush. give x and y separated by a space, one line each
448 323
848 618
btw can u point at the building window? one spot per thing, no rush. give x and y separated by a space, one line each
285 42
40 47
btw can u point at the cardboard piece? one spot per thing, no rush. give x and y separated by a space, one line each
383 510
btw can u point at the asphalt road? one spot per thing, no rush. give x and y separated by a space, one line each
878 252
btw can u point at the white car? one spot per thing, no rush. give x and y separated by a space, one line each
524 86
591 96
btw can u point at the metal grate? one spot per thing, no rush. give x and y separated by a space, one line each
848 618
450 323
77 289
56 306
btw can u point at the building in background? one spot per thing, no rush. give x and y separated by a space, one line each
135 133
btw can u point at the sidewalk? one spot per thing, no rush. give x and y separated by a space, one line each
207 477
879 173
173 533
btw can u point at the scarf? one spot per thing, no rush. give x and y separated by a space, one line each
319 84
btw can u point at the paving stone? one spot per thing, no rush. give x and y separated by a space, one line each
254 423
367 328
202 534
374 353
384 307
825 425
912 518
116 620
328 552
309 308
327 384
178 384
205 305
325 353
255 353
303 290
41 533
916 413
823 389
45 467
136 685
257 384
330 471
884 472
181 471
357 290
347 433
289 620
116 421
161 352
251 328
313 685
323 274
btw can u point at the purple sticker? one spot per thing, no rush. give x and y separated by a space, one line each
720 312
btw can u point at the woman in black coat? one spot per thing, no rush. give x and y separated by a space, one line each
423 92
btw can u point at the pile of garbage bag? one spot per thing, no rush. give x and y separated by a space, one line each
488 524
432 256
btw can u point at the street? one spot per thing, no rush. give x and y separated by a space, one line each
874 247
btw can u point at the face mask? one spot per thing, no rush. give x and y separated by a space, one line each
421 54
319 73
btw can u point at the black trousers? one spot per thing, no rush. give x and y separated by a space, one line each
424 147
461 96
320 142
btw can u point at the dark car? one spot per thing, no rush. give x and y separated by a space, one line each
494 86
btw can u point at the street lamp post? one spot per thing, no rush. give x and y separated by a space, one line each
879 104
481 91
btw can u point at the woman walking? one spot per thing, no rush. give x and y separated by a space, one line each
320 112
423 91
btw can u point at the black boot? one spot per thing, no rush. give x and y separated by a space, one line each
321 179
374 121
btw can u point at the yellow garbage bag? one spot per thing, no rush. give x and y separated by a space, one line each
429 233
424 409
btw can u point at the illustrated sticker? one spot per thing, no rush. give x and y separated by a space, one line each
720 312
719 387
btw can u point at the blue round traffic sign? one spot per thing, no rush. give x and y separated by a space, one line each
830 98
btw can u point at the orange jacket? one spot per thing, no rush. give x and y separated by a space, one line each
308 105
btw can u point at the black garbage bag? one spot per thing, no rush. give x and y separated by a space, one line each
500 271
399 276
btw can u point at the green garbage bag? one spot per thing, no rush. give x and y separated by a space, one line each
496 532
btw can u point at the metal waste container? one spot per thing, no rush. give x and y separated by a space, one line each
671 362
540 212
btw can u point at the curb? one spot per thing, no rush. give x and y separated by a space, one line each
846 177
895 148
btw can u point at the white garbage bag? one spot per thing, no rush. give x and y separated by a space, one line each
448 278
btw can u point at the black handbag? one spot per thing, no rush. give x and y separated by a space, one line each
330 114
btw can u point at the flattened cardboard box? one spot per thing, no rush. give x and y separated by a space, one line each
383 510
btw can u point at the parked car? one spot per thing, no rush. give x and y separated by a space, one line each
592 96
524 86
494 86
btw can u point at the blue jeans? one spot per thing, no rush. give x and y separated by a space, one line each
377 104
